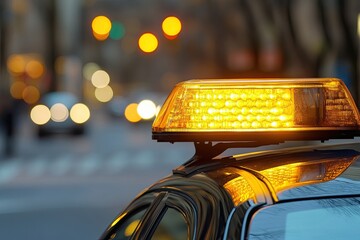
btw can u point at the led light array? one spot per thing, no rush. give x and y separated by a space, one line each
235 108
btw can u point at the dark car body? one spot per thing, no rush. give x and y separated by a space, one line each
304 192
221 198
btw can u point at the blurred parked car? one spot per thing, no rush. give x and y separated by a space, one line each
60 112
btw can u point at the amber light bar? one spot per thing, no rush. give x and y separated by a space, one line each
250 109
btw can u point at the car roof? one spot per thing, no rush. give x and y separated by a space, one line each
66 98
293 173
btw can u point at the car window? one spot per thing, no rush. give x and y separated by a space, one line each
127 228
172 226
310 219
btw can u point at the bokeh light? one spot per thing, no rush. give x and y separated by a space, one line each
89 69
59 112
146 109
117 31
16 64
148 42
16 89
31 94
101 37
104 94
100 79
34 68
101 25
79 113
40 114
131 113
171 27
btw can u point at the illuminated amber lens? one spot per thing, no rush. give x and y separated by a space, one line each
236 109
238 105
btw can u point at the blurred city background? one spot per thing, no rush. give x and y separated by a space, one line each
82 80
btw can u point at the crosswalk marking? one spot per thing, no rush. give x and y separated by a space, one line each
88 165
118 162
84 165
9 170
144 160
61 165
37 167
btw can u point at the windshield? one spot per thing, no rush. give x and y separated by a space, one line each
311 219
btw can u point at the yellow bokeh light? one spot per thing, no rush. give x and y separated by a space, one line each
100 79
35 69
40 114
171 26
131 113
16 89
31 94
104 94
146 109
101 37
79 113
148 42
59 112
16 64
101 25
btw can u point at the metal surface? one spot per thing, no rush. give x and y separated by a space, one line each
213 209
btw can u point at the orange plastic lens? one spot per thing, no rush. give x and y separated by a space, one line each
253 105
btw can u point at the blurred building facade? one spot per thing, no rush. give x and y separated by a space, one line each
218 39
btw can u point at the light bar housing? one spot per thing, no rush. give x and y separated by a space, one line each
257 110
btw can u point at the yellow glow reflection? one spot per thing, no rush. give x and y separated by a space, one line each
129 230
79 113
239 190
148 42
104 94
146 109
31 94
100 79
40 114
131 113
59 112
296 174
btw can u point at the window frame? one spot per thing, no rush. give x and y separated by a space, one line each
148 201
178 202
